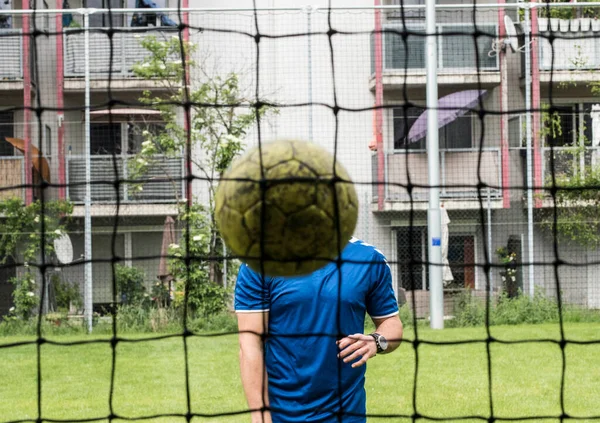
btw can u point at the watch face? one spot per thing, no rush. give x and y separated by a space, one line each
383 343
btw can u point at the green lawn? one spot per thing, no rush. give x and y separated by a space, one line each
452 379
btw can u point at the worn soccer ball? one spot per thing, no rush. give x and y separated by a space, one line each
294 208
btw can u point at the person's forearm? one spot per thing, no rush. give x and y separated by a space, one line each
391 330
254 381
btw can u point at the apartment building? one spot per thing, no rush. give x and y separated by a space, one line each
327 86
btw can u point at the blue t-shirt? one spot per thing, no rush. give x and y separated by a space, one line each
307 314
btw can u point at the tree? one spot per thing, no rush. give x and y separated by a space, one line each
21 239
576 217
221 117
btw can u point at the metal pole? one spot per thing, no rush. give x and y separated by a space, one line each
309 12
529 150
88 188
489 234
434 225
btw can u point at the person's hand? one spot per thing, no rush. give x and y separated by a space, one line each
357 346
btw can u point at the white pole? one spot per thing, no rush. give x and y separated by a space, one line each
489 236
528 130
434 225
309 12
88 188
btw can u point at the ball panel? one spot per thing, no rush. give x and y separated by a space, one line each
230 224
293 195
275 218
272 154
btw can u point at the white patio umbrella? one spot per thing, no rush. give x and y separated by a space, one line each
446 272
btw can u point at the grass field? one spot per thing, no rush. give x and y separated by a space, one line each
452 379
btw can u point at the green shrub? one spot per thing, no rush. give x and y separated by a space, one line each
130 284
217 323
65 293
468 311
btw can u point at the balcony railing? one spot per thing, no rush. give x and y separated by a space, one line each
163 183
126 46
12 174
458 174
568 161
576 45
456 50
12 54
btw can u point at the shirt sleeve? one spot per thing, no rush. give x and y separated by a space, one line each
381 301
251 292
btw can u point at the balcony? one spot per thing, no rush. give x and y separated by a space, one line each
12 57
458 177
404 60
12 174
574 55
127 51
163 183
566 162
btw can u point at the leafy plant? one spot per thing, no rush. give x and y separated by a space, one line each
67 294
221 116
190 267
25 233
130 284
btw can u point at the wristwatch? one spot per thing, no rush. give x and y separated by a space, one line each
380 341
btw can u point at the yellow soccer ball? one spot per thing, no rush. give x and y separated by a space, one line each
302 212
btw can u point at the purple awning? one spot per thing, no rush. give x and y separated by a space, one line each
450 108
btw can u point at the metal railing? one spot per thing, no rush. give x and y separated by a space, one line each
126 51
162 183
568 161
12 54
575 45
458 173
456 52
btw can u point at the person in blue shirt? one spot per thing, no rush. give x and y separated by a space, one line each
302 346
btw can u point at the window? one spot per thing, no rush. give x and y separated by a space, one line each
135 134
99 20
516 132
6 130
48 141
567 135
458 51
412 257
5 20
409 13
456 134
413 272
105 138
400 54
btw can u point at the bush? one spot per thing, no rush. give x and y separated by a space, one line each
130 284
523 309
66 294
468 311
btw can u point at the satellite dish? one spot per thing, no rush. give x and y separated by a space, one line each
63 249
511 34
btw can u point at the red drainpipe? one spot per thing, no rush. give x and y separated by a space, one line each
378 111
27 110
60 103
536 105
188 115
505 152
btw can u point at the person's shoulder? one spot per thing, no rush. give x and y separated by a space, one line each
363 249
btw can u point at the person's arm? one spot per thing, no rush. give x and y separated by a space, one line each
362 347
251 327
382 306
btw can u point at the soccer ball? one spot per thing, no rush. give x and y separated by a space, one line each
293 206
